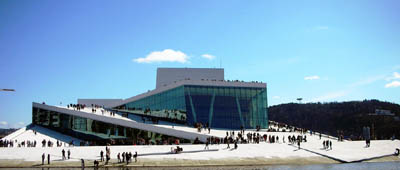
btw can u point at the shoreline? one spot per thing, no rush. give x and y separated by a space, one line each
148 162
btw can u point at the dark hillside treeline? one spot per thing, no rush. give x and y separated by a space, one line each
348 117
5 132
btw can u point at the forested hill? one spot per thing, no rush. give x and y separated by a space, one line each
349 117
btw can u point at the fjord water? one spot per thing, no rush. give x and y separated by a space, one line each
346 166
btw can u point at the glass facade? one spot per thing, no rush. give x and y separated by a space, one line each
219 107
169 105
172 99
227 107
97 132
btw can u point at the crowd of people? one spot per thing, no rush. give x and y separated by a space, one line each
231 137
93 107
327 144
255 138
7 143
50 143
63 154
250 137
31 143
340 134
126 157
122 158
176 150
76 106
108 155
44 158
200 126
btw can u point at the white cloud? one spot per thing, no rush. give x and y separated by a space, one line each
3 123
311 78
396 75
393 84
321 28
208 56
168 55
276 97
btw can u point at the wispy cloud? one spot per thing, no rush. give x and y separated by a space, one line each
393 84
394 78
168 55
367 80
396 67
330 96
276 97
3 124
208 56
17 125
293 60
395 75
321 27
311 78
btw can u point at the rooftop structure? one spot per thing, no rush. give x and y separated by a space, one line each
99 102
166 76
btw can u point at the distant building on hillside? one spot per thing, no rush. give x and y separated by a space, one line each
381 112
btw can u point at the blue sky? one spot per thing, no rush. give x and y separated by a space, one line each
58 51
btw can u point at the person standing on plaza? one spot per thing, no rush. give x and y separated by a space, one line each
43 157
119 157
101 156
96 164
236 145
83 163
135 156
48 159
128 156
207 143
298 143
69 154
107 158
63 154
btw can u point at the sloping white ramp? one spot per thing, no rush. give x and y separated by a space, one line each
126 123
15 134
25 134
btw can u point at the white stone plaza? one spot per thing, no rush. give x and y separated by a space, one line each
265 152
